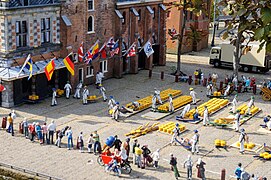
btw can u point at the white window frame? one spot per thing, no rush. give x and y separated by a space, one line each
82 74
93 8
91 32
104 66
90 72
45 30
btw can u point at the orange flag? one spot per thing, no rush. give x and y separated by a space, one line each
49 69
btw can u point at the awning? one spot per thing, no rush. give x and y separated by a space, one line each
11 73
134 11
150 10
162 6
66 20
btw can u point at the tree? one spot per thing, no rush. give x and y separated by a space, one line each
194 36
197 7
251 20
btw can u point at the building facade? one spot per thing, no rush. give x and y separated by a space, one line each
201 24
54 28
128 21
28 27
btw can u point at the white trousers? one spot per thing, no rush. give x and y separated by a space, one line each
77 93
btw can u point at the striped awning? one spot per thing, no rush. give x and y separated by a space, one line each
11 73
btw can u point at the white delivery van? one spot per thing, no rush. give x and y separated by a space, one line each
253 61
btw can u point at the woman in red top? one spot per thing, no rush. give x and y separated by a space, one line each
31 129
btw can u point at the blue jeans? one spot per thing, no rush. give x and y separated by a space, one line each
11 130
70 142
97 147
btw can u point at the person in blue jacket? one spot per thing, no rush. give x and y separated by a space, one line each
238 171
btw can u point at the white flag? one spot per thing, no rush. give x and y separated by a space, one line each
148 49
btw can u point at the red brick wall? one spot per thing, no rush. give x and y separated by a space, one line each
174 20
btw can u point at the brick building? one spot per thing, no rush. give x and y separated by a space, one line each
53 28
201 23
28 27
128 21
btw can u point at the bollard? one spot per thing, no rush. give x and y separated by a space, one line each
4 122
204 82
223 174
190 80
162 75
20 128
254 88
239 88
221 85
150 73
176 78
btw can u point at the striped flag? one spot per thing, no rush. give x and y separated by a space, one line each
131 51
80 53
49 69
68 61
28 64
115 49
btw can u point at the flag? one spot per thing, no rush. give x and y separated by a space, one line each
92 53
80 53
68 61
102 51
148 49
110 43
28 64
49 69
131 51
115 49
2 88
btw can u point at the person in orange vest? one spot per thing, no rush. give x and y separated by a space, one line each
10 127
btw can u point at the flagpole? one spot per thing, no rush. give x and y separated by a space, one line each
27 59
128 49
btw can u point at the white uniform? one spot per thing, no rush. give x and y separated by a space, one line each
249 105
99 77
206 117
68 89
153 102
227 90
170 106
209 90
234 104
102 90
242 142
115 114
195 142
157 94
235 82
185 110
111 104
77 91
193 95
176 132
85 96
54 99
237 121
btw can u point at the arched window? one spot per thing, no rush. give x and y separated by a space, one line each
90 24
124 17
139 13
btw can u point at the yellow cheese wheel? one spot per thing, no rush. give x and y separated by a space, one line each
223 143
217 142
238 144
266 157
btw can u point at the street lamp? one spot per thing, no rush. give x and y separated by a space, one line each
213 39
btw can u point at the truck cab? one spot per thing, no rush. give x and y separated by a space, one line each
215 56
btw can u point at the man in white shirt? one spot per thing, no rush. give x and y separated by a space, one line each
68 89
51 129
77 90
